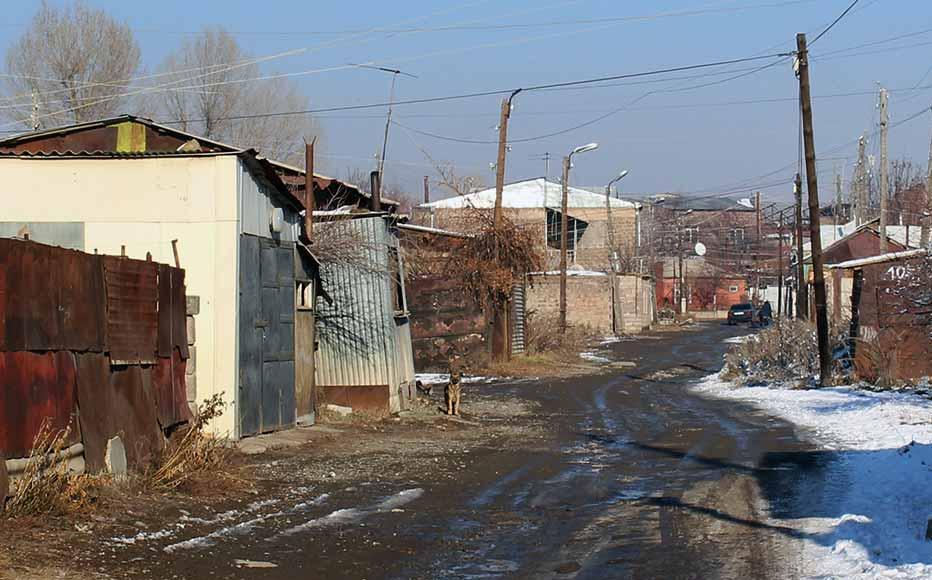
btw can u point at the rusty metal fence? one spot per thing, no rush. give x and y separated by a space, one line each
97 343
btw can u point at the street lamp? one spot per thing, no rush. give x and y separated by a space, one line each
617 313
612 252
567 163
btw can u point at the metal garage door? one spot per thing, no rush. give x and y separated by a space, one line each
267 368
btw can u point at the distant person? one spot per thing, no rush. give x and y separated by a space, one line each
766 314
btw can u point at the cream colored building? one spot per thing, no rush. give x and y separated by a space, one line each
537 203
215 205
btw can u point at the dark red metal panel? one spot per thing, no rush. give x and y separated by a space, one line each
34 388
170 394
172 328
132 310
81 306
117 402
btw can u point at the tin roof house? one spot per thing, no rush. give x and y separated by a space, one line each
131 187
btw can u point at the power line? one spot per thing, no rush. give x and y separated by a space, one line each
834 22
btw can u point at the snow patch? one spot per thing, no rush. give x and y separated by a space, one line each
872 522
593 357
346 516
443 378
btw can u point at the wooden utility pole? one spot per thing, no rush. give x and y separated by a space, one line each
426 189
802 293
884 121
780 271
924 236
563 234
309 189
815 239
500 162
499 313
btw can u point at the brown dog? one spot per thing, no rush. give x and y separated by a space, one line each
451 393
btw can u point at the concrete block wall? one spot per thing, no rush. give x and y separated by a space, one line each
192 309
588 300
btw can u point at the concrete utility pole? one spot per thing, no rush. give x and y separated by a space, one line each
860 184
837 198
884 122
802 292
426 189
780 271
34 116
567 164
500 162
924 236
617 312
812 182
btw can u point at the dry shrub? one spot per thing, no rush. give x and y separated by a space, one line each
195 452
494 260
543 336
47 486
786 350
878 360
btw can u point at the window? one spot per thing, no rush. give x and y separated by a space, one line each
691 235
575 228
733 289
736 236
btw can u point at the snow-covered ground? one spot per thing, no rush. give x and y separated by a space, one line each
872 513
443 378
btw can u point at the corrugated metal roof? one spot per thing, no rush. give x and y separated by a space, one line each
532 193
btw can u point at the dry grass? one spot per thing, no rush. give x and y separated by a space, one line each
543 337
784 351
195 454
46 485
879 363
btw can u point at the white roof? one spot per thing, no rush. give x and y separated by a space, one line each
906 254
533 193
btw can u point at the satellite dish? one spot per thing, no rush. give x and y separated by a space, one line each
700 249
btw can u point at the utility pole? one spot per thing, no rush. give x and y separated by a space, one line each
34 117
563 233
812 183
837 198
780 271
802 293
426 189
309 189
924 236
884 121
860 185
500 162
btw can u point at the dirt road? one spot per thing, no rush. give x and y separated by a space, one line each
620 475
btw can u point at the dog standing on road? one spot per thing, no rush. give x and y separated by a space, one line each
451 393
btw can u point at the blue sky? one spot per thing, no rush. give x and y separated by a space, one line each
688 141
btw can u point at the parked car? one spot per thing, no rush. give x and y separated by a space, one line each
741 313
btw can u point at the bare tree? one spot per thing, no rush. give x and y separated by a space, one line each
226 83
71 65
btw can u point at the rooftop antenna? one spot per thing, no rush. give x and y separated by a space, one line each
388 121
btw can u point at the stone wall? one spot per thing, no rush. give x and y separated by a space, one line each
589 301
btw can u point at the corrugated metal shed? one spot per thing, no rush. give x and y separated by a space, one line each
358 333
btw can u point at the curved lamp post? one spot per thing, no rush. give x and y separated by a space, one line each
567 163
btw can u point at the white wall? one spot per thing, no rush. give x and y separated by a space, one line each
145 203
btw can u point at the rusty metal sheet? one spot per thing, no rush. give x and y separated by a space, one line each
132 310
50 298
117 402
81 305
35 387
170 394
172 328
370 398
